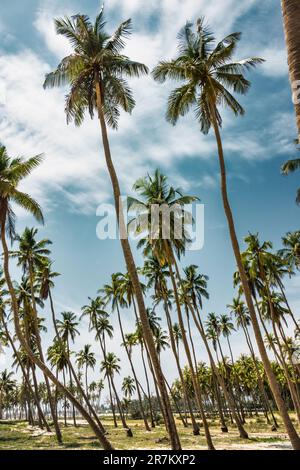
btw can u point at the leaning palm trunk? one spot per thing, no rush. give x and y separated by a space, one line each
295 440
170 421
291 21
101 437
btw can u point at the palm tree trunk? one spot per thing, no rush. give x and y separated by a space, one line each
41 354
187 400
101 437
119 405
131 268
291 21
295 440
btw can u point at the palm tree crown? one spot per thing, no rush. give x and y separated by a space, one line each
208 72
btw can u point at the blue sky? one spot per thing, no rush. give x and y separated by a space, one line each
73 181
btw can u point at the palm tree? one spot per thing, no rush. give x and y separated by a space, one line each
67 331
56 356
100 388
7 385
226 328
163 237
291 249
96 73
177 335
31 255
115 292
161 341
291 17
128 387
86 358
209 72
110 366
99 322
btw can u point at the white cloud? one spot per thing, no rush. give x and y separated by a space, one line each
33 121
276 61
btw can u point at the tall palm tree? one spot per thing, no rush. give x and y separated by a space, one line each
67 331
12 173
291 18
161 341
291 249
226 329
31 255
209 73
96 72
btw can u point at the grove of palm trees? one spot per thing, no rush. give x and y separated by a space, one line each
144 356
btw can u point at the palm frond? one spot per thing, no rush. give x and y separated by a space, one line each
28 203
116 42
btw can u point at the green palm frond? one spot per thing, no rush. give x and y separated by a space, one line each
209 75
96 59
28 204
180 101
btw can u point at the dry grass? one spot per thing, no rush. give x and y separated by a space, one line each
18 435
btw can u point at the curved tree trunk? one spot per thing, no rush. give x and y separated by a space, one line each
131 268
101 437
291 21
295 440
